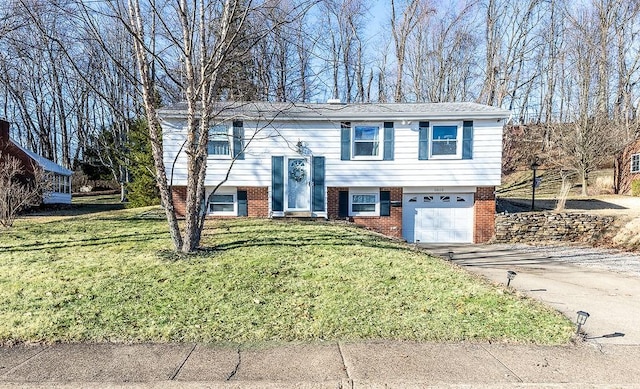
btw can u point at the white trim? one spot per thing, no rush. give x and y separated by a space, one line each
439 189
220 135
377 157
458 154
365 191
223 192
286 183
637 156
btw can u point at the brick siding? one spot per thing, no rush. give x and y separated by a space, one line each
258 206
622 176
8 148
257 200
179 195
387 225
484 214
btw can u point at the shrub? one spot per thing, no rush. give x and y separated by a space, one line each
635 188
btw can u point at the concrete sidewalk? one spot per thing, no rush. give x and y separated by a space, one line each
334 365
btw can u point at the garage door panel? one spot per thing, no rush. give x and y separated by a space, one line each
439 218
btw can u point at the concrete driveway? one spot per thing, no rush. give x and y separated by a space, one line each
604 283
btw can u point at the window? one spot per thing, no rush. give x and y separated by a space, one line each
222 204
366 141
635 163
218 141
364 204
444 141
60 183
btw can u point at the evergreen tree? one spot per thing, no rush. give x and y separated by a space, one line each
142 189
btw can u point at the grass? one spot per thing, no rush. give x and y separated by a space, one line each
518 184
111 276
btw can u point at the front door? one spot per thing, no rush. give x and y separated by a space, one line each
298 188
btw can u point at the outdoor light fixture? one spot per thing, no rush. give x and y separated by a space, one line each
534 166
450 254
510 275
581 319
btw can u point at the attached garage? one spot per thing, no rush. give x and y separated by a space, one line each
438 217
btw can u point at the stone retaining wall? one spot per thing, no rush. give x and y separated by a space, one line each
534 227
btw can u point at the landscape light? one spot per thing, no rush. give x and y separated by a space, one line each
534 166
581 319
510 275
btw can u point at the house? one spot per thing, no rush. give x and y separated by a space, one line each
627 168
425 172
61 177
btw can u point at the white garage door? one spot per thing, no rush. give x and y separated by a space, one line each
438 218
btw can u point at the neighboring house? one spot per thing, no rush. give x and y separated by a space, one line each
423 172
627 168
61 177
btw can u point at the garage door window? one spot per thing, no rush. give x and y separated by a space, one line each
364 204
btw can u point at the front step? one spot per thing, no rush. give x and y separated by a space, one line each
295 214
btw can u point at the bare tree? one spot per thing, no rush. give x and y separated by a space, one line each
439 59
404 19
206 36
18 188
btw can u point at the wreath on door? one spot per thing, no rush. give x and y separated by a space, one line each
297 171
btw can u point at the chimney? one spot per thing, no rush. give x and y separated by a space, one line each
4 132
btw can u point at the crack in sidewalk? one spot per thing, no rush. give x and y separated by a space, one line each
344 364
235 370
177 371
503 365
16 367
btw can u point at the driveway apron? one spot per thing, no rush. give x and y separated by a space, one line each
560 277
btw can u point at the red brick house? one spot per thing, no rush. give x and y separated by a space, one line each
61 177
425 172
627 168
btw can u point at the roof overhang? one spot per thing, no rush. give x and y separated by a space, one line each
343 112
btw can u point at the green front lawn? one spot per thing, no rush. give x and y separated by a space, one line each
111 277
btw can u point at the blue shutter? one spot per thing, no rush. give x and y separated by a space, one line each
388 141
385 203
318 184
243 208
343 203
467 140
345 141
277 184
423 141
238 140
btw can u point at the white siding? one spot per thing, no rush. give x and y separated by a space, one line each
56 198
323 139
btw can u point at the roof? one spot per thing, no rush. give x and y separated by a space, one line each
44 163
339 111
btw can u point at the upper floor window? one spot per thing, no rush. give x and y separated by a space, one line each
366 141
635 163
445 141
218 141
